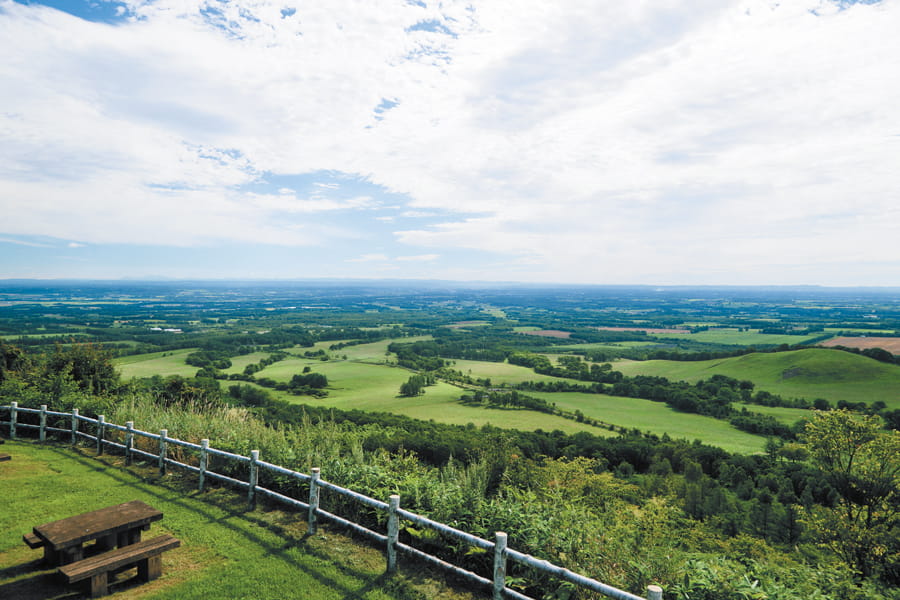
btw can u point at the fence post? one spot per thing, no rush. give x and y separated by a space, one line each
313 523
12 419
101 425
500 542
129 440
74 425
254 479
162 450
204 446
654 592
42 436
393 532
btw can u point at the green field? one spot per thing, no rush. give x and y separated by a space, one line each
811 373
727 335
226 551
788 416
156 363
501 373
365 382
656 417
375 388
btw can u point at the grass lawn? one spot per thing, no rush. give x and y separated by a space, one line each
656 417
500 373
156 363
811 373
726 335
226 552
788 416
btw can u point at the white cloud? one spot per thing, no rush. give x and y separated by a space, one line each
600 142
419 258
374 257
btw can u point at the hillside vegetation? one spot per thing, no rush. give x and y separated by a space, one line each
809 373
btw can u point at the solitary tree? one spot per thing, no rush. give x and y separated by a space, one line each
862 463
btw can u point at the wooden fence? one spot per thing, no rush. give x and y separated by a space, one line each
501 552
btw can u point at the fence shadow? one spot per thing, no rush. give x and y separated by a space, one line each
221 506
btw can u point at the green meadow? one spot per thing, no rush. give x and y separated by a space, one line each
656 417
226 551
500 373
811 373
366 380
156 363
727 335
785 415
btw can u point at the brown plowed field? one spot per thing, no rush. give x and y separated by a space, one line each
891 344
646 329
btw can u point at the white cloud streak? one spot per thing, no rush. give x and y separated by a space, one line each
718 141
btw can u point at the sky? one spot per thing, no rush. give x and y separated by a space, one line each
660 142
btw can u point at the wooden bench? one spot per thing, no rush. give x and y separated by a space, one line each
32 540
5 457
147 555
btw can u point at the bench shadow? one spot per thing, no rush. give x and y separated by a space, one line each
40 586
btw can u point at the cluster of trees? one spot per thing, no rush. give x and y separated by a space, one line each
415 385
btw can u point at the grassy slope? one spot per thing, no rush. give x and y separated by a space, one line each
156 363
811 373
727 335
226 551
656 417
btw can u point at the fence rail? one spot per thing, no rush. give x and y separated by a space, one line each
501 552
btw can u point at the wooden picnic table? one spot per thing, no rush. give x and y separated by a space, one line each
118 525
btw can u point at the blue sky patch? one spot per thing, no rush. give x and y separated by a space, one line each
98 11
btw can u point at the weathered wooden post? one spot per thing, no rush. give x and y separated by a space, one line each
101 425
254 479
204 448
500 542
313 523
393 532
74 425
654 592
13 406
163 433
129 440
42 432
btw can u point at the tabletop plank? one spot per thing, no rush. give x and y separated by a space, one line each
92 525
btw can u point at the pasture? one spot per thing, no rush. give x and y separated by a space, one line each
656 417
164 364
733 336
810 373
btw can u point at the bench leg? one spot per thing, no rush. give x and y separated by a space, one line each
99 585
107 542
150 568
132 536
69 555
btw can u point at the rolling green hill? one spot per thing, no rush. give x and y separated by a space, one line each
811 373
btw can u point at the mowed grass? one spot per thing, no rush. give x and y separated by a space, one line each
728 335
501 373
656 417
226 551
788 416
156 363
811 373
376 388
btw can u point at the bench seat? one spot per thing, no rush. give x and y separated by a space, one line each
5 457
32 540
147 555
